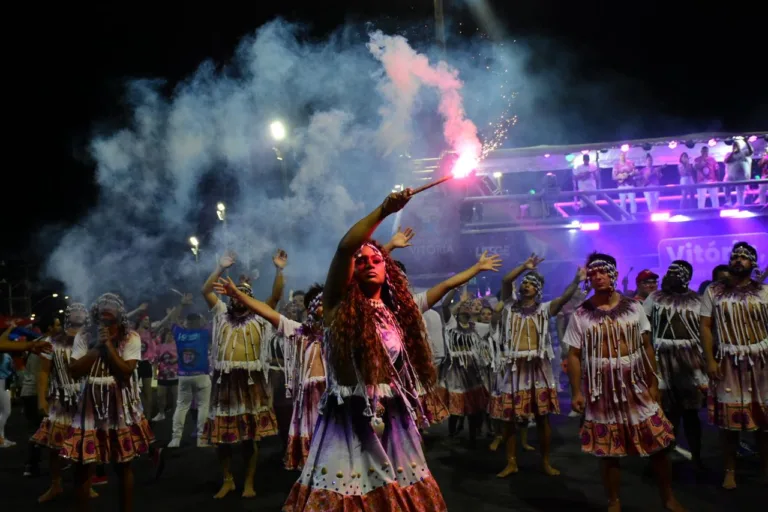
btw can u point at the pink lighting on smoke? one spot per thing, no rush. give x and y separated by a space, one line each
408 71
673 144
752 138
712 143
464 165
590 226
660 217
624 148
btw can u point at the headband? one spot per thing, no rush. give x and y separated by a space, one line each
679 272
314 305
110 303
370 245
743 252
77 314
465 308
534 281
601 266
245 288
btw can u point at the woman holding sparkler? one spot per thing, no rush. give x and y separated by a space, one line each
366 450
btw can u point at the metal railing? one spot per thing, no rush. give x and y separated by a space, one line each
605 206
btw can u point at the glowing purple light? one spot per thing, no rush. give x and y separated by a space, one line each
660 217
590 226
624 148
712 143
729 213
546 155
752 138
673 144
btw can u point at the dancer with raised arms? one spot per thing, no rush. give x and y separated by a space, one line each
366 450
240 405
526 388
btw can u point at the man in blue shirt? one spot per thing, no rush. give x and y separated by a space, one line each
193 342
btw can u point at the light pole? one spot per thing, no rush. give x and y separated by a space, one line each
51 296
440 27
279 132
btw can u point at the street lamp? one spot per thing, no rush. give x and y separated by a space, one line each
279 133
221 211
193 241
278 130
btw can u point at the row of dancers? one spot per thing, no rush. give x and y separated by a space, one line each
362 380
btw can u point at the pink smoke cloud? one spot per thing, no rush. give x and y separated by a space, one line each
408 70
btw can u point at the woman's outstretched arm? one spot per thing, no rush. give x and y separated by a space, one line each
340 271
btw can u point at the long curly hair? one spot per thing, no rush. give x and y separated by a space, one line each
354 332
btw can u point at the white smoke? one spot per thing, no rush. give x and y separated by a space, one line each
349 121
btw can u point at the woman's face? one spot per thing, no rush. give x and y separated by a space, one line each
370 267
486 315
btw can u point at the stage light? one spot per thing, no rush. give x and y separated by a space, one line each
660 217
574 224
584 151
546 155
590 226
673 144
66 297
712 143
61 311
54 295
690 144
193 241
572 230
679 218
532 192
744 214
624 148
497 175
752 138
569 158
729 213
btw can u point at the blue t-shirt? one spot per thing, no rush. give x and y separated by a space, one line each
192 346
6 367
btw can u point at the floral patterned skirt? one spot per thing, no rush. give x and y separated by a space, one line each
240 408
351 468
739 401
624 419
109 426
524 389
303 422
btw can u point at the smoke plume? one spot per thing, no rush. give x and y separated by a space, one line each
353 106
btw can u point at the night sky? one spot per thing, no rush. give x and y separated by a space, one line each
697 69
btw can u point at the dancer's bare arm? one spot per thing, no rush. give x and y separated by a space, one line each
485 263
340 271
223 264
557 304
